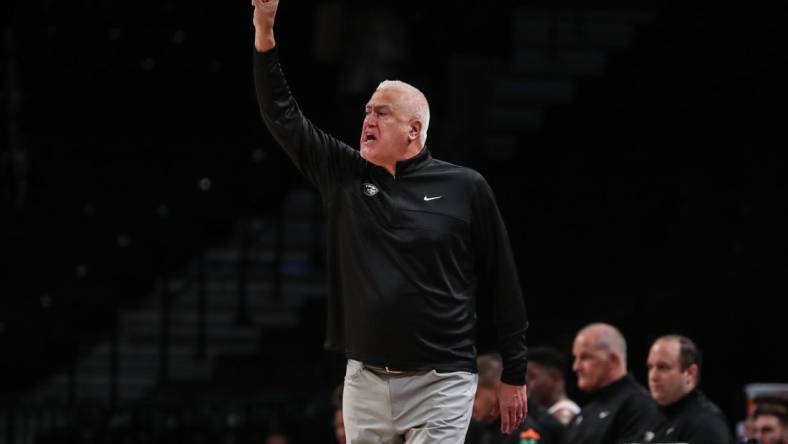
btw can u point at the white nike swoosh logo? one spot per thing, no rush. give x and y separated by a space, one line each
427 199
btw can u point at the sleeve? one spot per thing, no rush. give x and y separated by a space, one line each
321 158
498 282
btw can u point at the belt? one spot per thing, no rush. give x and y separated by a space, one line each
388 371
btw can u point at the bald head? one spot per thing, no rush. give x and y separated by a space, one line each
607 337
485 405
490 368
600 356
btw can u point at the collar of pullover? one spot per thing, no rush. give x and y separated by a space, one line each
614 387
679 406
403 167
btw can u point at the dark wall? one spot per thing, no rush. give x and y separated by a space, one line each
656 201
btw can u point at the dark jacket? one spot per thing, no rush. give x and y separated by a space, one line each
622 412
408 255
693 419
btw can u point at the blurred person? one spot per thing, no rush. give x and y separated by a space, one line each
338 423
745 429
538 428
674 365
546 383
276 438
413 243
339 427
620 410
770 423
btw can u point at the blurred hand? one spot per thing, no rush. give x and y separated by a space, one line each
513 405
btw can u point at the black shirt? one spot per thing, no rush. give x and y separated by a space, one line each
408 255
622 412
693 419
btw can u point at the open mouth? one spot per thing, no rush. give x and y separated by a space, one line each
369 137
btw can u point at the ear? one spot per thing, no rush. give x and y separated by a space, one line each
414 132
615 358
692 372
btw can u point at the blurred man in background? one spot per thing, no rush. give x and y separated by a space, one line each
620 409
771 423
545 381
674 364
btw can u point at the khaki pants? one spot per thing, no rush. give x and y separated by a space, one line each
427 408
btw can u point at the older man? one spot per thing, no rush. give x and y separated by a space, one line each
674 364
413 244
620 409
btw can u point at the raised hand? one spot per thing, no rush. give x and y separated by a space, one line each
264 15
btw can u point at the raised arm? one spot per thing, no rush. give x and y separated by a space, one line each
322 159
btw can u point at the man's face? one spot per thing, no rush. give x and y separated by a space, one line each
485 406
384 134
540 382
769 431
666 381
592 364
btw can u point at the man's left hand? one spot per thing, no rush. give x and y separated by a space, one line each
513 405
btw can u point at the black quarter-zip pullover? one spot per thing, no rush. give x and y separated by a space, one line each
693 419
623 412
409 254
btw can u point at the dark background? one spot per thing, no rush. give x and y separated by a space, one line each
653 197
